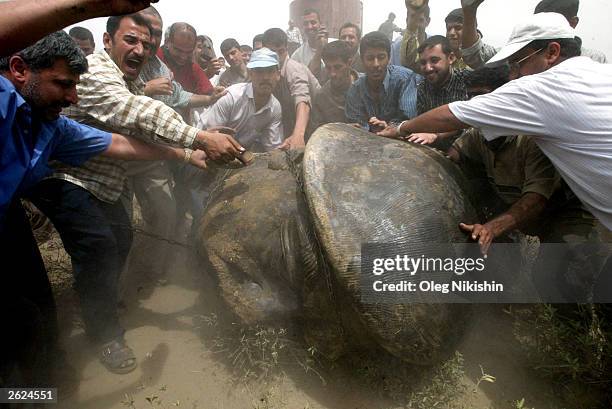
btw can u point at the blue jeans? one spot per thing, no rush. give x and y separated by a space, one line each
97 236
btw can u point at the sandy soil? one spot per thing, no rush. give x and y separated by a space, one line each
175 328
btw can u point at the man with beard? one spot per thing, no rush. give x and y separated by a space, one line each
250 108
387 93
442 84
351 34
329 102
309 53
404 49
35 85
111 98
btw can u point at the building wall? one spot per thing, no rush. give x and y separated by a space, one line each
334 13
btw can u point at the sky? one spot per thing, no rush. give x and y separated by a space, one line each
242 19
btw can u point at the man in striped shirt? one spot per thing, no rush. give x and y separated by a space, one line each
111 98
442 83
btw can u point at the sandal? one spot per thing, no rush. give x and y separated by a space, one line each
117 357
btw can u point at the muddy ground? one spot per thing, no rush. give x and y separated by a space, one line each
191 355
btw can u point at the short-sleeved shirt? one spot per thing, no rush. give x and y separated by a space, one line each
28 144
567 109
517 167
257 130
297 84
191 76
155 68
397 100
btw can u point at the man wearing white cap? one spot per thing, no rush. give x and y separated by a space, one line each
250 108
561 99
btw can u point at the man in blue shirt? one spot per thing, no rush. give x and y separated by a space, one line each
35 85
387 93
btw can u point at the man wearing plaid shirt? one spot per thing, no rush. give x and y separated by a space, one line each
111 98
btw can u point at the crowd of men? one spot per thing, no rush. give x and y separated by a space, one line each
82 135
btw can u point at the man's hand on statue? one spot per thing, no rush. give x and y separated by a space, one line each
422 138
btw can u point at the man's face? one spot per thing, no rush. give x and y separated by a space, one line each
280 50
264 80
454 33
129 47
375 62
349 34
339 73
85 45
246 55
418 19
181 47
234 57
157 31
311 26
435 65
529 61
51 89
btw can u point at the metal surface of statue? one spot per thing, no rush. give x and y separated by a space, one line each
283 239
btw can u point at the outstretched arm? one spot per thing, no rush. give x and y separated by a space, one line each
23 22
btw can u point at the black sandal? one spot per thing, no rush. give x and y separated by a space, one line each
117 357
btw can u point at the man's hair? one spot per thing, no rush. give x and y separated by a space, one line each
312 11
490 77
113 22
455 16
44 53
434 41
246 48
375 39
258 37
181 26
570 47
81 33
151 11
337 49
350 25
228 44
274 37
391 15
568 8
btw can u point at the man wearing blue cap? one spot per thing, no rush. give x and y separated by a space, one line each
250 108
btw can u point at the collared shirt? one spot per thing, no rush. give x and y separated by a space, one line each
155 68
258 130
233 76
294 35
108 102
397 99
517 167
297 84
27 144
404 50
304 54
191 76
568 109
329 105
430 97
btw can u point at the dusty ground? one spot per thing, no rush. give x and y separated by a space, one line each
190 356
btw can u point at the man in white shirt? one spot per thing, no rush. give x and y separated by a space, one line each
309 53
559 98
250 108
